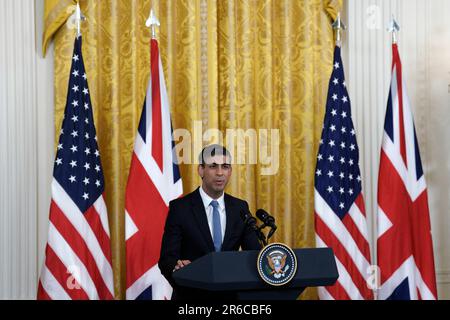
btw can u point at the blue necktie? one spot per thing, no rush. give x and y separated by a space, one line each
217 229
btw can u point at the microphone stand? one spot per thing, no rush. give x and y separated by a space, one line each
262 238
250 221
261 235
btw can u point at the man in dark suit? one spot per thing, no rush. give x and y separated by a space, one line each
205 221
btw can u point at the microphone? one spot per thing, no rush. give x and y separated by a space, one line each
250 221
268 221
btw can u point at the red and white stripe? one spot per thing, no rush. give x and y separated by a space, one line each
78 254
349 240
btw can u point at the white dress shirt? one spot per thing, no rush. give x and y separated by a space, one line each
209 211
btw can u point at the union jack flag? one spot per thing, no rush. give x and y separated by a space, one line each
78 253
340 219
153 182
405 249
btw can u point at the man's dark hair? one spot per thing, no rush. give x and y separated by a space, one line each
211 151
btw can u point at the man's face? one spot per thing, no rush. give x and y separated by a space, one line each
215 174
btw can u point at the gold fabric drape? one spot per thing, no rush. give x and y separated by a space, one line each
253 65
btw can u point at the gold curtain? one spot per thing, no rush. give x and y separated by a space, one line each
253 65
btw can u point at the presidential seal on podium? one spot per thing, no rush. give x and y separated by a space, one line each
277 264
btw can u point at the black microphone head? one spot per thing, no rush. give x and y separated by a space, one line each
244 214
247 217
266 218
262 215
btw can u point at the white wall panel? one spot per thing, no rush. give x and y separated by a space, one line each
25 121
18 148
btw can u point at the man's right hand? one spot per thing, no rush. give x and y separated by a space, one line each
180 264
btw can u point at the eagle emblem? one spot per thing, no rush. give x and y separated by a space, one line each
277 264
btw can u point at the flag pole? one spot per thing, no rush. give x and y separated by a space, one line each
79 17
152 22
393 28
338 26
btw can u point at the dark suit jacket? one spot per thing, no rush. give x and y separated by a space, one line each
187 236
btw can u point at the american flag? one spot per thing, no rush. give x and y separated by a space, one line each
340 220
405 248
154 181
78 254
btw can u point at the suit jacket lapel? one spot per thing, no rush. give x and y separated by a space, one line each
202 221
231 213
